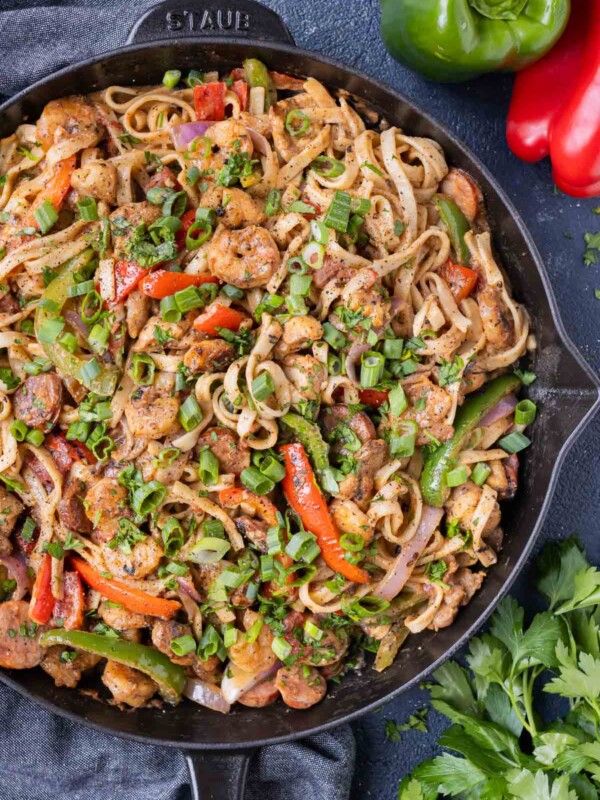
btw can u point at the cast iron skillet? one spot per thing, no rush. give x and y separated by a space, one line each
215 36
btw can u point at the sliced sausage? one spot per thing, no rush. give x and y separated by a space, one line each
38 401
70 509
263 694
461 187
19 638
300 686
232 454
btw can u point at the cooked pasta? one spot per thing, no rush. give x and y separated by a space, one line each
257 390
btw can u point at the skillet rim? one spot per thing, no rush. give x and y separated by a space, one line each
562 335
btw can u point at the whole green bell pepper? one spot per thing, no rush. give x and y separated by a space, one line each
456 40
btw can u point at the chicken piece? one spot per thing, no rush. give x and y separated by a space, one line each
350 519
38 401
121 619
96 179
257 656
286 144
212 355
298 334
246 258
495 318
460 187
232 453
307 374
67 119
10 508
66 666
373 304
151 414
19 639
462 503
168 474
171 332
359 484
163 633
463 585
263 694
138 311
300 686
229 138
71 511
234 207
253 530
127 685
429 405
144 558
124 221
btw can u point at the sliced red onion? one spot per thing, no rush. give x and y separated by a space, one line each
259 141
74 319
394 581
353 359
187 585
17 571
502 409
207 695
236 681
183 134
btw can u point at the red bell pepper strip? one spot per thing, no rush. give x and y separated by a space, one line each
66 453
163 283
209 101
575 140
71 609
542 89
127 276
304 496
55 190
372 397
42 600
219 317
241 89
119 592
461 280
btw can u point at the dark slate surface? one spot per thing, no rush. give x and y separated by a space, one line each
349 31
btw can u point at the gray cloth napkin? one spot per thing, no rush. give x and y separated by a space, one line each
43 757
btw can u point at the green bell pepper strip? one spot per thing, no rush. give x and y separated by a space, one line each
256 74
434 487
457 225
309 435
67 363
456 40
171 678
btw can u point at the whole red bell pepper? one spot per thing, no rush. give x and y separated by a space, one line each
555 107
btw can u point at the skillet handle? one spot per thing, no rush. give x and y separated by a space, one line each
218 775
195 19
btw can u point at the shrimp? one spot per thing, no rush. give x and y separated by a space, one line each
69 118
372 303
143 559
298 333
233 207
224 140
246 258
128 685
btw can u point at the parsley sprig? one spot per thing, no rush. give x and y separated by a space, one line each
505 750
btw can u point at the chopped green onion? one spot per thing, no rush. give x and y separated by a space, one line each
514 442
208 467
69 342
175 204
480 474
353 542
194 78
274 542
172 536
98 338
372 167
91 302
28 529
207 215
213 527
193 242
525 412
313 254
233 292
526 376
319 232
35 437
90 370
267 568
262 386
364 607
211 644
333 337
456 477
88 210
19 430
296 122
328 167
273 469
188 299
169 311
360 205
393 348
10 380
397 400
299 543
313 631
78 289
192 176
273 203
46 216
334 364
157 195
253 479
146 498
254 630
371 370
295 305
142 369
50 330
303 573
281 647
328 481
171 78
338 213
209 550
300 285
299 207
183 645
49 305
402 444
230 636
190 414
78 431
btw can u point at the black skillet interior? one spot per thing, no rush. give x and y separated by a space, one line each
566 390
